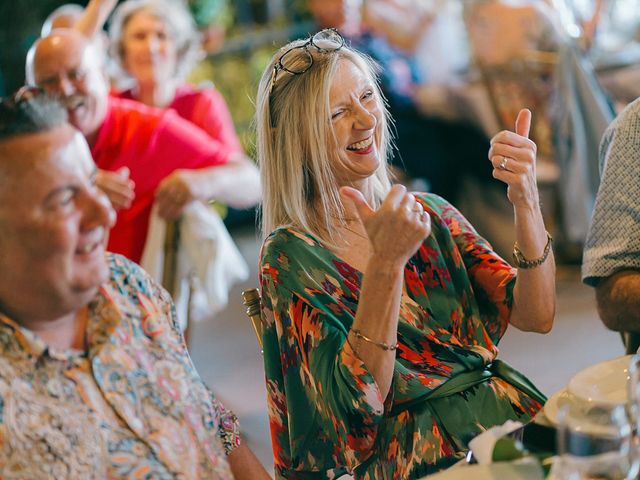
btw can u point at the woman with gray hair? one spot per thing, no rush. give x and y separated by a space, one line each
382 308
155 45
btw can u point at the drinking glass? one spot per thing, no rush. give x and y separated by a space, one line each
633 390
595 442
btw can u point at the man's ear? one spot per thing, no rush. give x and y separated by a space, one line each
29 74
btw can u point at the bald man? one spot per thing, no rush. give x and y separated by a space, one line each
145 155
65 16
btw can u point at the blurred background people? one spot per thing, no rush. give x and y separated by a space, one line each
145 155
155 45
522 54
608 32
514 46
429 147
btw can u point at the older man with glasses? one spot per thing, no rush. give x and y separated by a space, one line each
145 155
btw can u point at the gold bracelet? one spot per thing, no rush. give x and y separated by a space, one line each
383 345
522 262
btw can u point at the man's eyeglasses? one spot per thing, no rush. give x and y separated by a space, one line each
15 102
23 94
325 41
28 110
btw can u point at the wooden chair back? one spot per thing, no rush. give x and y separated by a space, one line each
252 300
170 269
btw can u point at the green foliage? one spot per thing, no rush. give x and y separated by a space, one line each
237 77
206 12
236 74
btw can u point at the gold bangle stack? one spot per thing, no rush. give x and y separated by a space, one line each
521 261
383 345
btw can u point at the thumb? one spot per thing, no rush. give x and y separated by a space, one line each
123 172
356 197
523 122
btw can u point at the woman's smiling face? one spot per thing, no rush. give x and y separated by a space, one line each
355 116
149 54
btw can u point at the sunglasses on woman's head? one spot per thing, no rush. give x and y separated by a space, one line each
325 41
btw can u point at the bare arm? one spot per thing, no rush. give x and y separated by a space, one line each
94 17
380 300
236 183
590 25
618 300
395 232
245 465
534 296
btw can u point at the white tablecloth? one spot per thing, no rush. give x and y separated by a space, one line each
495 471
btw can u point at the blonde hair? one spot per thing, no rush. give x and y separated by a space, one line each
296 144
181 29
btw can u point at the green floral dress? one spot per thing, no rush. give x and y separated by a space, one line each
327 415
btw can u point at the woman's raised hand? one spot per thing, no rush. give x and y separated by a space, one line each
397 228
94 17
513 156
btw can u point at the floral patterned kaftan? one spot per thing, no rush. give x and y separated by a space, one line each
326 412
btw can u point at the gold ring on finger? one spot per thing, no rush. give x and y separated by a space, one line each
503 163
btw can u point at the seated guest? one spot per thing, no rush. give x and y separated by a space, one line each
95 379
156 44
611 260
144 154
382 308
